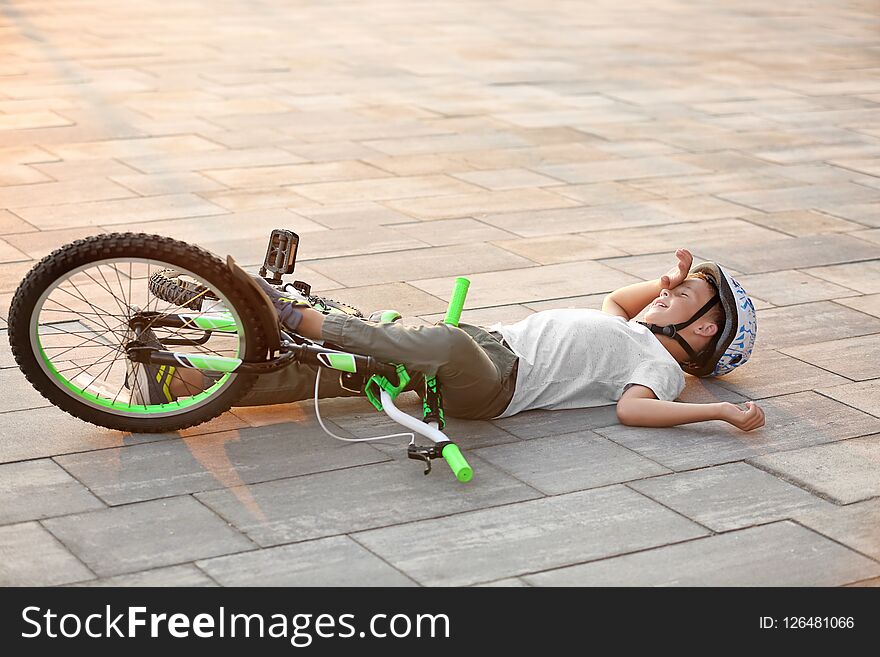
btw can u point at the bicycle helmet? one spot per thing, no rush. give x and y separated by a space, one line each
734 342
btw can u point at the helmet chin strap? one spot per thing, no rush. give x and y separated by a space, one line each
671 330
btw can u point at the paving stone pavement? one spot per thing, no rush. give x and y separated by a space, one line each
551 153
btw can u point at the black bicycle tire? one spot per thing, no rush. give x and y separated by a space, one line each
135 245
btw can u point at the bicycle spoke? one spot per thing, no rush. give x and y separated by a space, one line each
100 315
85 368
112 294
70 348
83 335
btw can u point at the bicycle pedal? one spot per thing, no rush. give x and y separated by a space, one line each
302 287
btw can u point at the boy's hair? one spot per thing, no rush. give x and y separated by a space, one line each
715 314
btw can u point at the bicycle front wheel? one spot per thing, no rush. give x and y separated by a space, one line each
76 311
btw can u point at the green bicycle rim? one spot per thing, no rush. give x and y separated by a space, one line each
125 408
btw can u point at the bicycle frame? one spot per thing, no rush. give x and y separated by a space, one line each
312 354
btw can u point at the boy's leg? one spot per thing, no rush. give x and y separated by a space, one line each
474 385
295 382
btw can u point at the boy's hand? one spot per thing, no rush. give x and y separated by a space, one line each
748 419
675 276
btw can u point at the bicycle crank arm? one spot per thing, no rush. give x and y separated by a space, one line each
208 362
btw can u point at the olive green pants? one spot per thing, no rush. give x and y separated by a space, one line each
477 373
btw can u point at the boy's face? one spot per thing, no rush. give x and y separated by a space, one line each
679 304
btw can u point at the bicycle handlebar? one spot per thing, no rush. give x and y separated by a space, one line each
456 302
463 472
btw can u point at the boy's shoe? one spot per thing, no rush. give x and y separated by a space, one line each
149 383
385 316
287 305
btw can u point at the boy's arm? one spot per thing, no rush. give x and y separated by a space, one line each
639 407
630 300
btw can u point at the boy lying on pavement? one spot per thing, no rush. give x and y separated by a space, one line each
698 321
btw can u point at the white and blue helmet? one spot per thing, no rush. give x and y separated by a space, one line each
736 339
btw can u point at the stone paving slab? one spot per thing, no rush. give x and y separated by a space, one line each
779 554
789 253
617 170
785 288
700 208
446 261
520 538
119 211
541 423
846 357
863 277
480 204
486 316
208 160
570 462
792 421
47 431
263 198
443 232
591 301
506 582
845 472
863 213
10 223
683 187
62 170
292 174
342 501
26 397
40 489
855 525
357 215
174 183
605 193
650 267
726 497
218 460
186 575
407 298
38 244
772 373
703 390
335 561
643 240
864 395
21 197
470 434
507 179
384 189
532 283
809 323
147 535
31 556
9 253
799 223
578 219
872 235
352 241
553 249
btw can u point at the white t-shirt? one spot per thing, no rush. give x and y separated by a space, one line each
576 358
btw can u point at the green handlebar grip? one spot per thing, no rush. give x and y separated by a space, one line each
452 454
456 303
